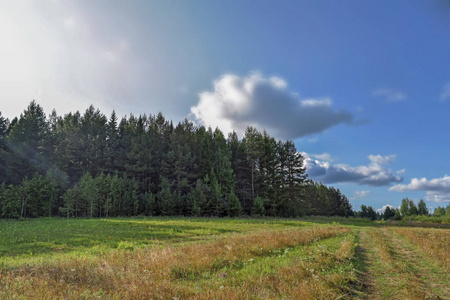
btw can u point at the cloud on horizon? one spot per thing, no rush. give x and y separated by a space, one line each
265 103
437 190
382 209
389 94
375 173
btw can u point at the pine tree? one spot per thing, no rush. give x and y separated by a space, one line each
258 207
234 206
3 148
10 201
28 141
166 199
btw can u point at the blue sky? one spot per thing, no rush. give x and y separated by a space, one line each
362 87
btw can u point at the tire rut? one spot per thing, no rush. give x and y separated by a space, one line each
395 270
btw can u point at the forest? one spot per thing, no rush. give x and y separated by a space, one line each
89 165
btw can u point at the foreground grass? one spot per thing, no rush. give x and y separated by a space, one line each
399 269
170 258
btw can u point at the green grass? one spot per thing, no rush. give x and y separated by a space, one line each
309 258
37 240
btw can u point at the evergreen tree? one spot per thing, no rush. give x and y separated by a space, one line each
3 148
242 170
234 206
252 141
258 207
371 213
388 213
28 144
93 140
10 201
167 201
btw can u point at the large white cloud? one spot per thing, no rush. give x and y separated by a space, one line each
438 189
375 173
266 103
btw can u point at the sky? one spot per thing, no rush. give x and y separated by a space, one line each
361 87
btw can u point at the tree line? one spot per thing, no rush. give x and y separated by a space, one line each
407 209
89 165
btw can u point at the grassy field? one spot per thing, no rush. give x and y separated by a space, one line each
175 258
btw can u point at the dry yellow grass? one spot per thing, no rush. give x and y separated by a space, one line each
174 272
434 242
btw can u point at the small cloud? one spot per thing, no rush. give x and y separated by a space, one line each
445 95
382 160
360 195
381 210
323 156
389 94
265 103
402 171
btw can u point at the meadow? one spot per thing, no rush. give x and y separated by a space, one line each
187 258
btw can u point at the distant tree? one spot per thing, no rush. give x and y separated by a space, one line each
364 212
388 213
413 211
86 165
371 213
404 207
397 215
422 208
439 211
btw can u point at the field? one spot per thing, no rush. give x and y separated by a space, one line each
175 258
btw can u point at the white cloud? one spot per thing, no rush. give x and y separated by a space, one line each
266 103
402 171
374 174
323 156
360 195
437 190
445 92
381 210
382 160
389 94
